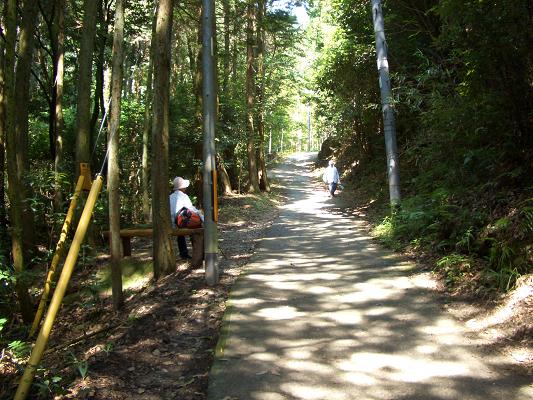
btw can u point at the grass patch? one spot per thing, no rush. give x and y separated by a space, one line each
238 209
135 274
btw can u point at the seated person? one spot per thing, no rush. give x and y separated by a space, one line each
178 200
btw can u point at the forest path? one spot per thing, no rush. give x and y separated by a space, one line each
323 313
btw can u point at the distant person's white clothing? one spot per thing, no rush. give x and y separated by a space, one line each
178 200
331 175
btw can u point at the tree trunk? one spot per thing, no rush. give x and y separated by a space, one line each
191 55
198 145
223 176
263 182
163 252
22 82
226 70
250 92
389 125
83 109
113 179
22 100
222 172
59 119
236 33
99 102
54 38
147 215
15 191
198 78
129 65
4 239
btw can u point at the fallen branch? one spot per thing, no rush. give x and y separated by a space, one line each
83 337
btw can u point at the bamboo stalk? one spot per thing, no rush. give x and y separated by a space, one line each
57 256
57 298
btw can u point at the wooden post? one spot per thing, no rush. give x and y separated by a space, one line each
85 171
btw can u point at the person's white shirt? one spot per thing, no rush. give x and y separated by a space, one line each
331 175
178 200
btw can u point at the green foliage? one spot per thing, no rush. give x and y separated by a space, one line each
434 221
6 275
43 182
344 77
385 231
526 217
49 386
466 240
82 366
108 348
19 350
463 106
454 266
38 131
509 240
462 236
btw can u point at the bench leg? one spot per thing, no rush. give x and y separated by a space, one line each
126 246
197 250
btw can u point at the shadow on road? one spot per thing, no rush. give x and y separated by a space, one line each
324 313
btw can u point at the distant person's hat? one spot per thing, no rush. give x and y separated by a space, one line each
331 162
180 183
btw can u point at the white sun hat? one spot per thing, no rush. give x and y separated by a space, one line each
180 183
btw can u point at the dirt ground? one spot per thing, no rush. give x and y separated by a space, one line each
161 346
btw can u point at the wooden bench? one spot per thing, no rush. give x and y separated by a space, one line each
197 236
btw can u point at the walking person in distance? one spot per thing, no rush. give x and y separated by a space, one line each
331 178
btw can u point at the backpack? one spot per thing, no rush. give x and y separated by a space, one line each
186 218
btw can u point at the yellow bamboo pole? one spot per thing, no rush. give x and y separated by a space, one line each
57 256
57 298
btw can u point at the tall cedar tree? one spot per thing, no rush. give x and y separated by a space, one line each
22 102
59 23
113 179
163 252
85 62
4 241
253 184
100 49
145 174
261 11
14 150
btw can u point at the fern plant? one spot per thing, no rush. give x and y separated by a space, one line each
81 365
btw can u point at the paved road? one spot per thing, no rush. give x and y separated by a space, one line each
323 313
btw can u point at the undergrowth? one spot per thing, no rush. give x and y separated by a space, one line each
473 246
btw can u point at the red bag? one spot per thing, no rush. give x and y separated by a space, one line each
186 218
